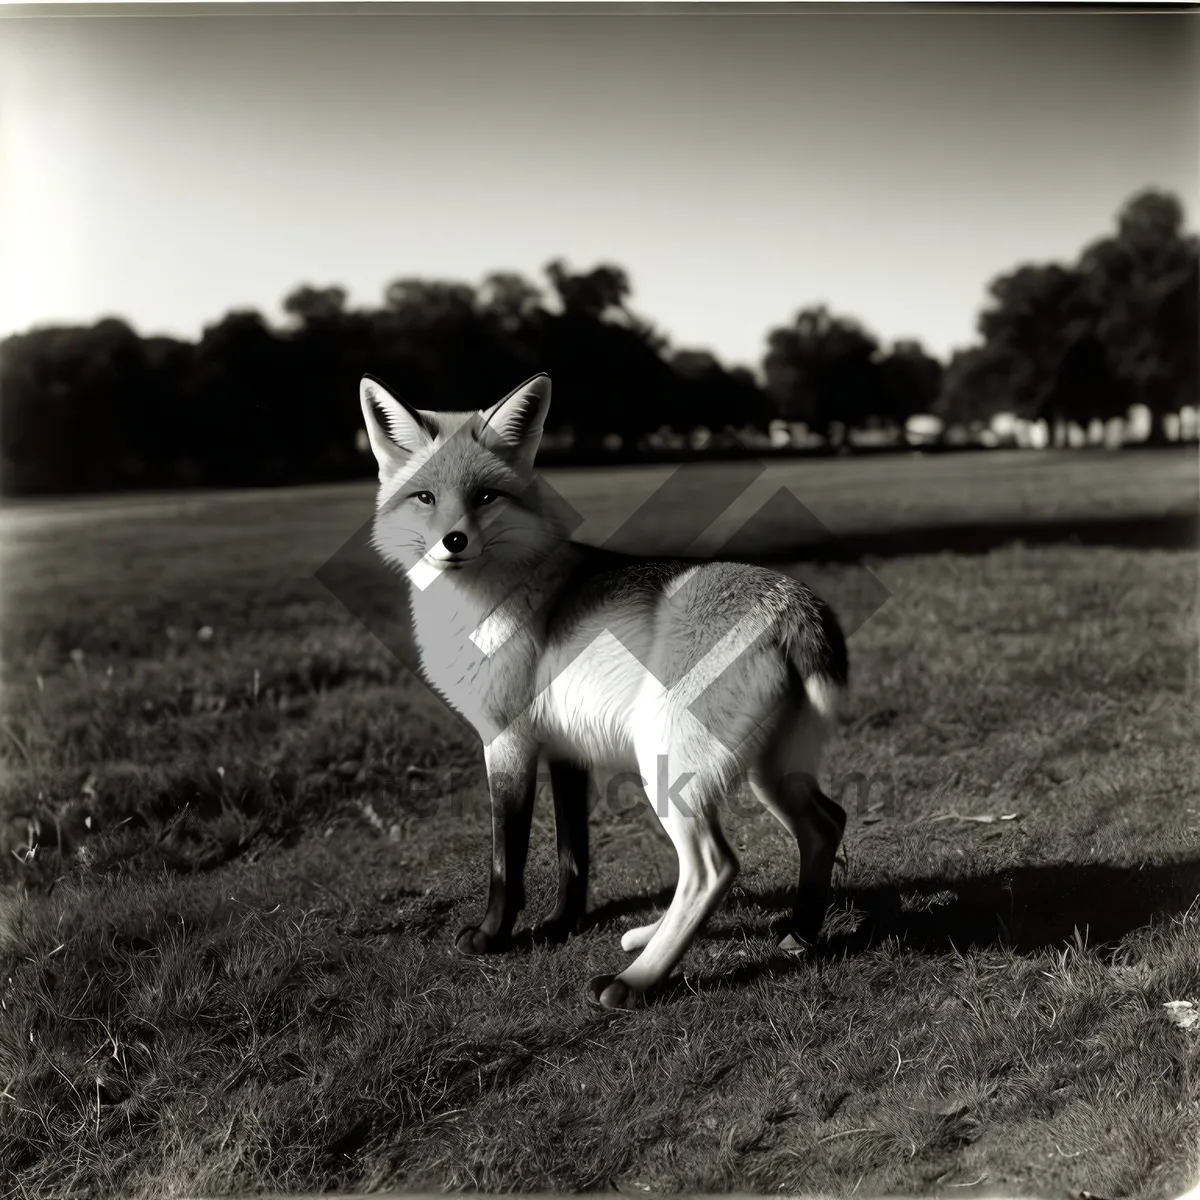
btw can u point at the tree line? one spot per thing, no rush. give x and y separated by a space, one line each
250 403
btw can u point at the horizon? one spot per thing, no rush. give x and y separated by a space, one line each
742 167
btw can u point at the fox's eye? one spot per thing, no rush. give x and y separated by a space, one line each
425 497
486 497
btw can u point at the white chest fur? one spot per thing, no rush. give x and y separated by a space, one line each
480 653
452 662
492 665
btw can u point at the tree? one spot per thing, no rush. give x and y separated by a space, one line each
240 428
609 365
436 342
36 429
597 293
511 300
716 397
911 382
75 408
1074 343
823 370
322 361
1038 313
96 407
974 387
169 367
1142 282
1086 387
316 306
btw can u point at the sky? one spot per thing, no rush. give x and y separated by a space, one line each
169 168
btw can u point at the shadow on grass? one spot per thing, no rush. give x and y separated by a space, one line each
1024 909
1021 909
1172 531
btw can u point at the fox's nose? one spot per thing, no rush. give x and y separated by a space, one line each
455 542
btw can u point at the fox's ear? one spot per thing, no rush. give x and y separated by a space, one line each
513 428
406 430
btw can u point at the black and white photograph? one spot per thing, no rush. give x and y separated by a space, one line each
599 598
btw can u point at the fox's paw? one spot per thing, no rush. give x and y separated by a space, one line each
474 940
610 992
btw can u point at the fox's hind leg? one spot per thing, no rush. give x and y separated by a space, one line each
707 867
786 785
816 823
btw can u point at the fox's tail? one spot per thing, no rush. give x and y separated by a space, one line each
819 660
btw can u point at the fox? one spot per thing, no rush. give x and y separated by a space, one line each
586 660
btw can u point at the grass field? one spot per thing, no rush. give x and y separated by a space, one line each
240 839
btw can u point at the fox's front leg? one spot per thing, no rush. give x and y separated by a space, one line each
512 781
570 785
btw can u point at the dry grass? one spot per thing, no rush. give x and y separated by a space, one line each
228 962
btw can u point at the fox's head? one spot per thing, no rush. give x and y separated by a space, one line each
456 489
